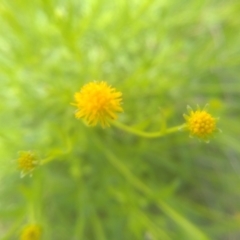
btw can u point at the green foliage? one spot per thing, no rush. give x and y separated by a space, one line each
103 184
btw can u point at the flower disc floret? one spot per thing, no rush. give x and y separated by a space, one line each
200 123
97 102
27 161
31 232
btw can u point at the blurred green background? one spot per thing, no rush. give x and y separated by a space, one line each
106 184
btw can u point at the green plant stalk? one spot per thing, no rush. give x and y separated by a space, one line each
148 134
191 230
97 225
31 213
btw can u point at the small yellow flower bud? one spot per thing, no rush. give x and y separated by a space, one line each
200 123
31 232
27 161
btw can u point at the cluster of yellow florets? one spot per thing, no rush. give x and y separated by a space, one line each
27 161
31 232
97 102
200 123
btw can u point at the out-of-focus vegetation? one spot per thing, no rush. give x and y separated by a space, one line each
105 183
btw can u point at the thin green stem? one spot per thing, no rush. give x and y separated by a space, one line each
190 229
57 153
31 212
51 157
148 134
47 160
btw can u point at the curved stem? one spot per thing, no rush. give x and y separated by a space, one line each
190 229
50 158
148 134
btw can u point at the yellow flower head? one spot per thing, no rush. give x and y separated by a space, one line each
31 232
27 161
97 103
200 123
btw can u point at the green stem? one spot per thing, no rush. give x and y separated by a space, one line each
56 153
31 213
148 134
47 160
190 229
